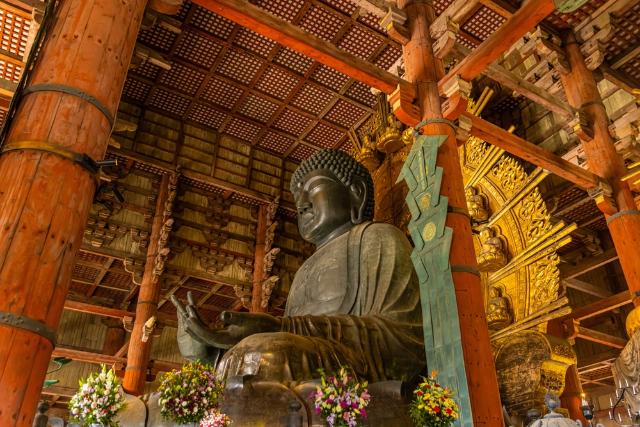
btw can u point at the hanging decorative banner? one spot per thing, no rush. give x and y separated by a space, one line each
432 240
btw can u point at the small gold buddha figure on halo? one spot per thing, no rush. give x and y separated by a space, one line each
498 310
476 205
492 254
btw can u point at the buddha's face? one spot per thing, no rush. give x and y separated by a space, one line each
324 206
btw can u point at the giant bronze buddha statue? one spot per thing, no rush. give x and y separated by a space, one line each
354 302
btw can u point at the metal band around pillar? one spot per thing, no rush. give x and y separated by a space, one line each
81 159
434 120
28 324
457 268
54 87
622 213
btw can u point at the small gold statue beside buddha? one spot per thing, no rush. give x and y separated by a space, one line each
492 254
498 309
476 205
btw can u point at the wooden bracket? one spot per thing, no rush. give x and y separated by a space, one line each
463 131
401 101
168 7
553 54
446 41
394 24
457 92
143 54
571 329
582 126
602 195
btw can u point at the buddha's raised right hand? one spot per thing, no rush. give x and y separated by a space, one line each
236 325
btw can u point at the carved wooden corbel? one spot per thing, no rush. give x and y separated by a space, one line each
582 126
142 55
401 101
553 53
457 92
603 197
394 24
167 225
447 40
243 292
463 130
267 289
148 328
135 268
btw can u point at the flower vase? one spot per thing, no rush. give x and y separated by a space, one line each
193 424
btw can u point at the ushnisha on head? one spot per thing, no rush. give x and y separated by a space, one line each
333 192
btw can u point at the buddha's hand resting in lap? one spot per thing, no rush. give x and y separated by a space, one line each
237 325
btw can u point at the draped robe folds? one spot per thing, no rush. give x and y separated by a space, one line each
354 302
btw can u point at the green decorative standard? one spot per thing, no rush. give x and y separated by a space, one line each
432 240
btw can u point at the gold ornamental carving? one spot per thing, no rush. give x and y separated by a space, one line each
516 245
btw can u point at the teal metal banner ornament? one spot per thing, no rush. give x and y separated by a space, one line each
432 240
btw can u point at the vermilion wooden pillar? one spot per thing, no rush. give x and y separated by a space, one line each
571 397
45 191
139 352
603 159
258 262
423 69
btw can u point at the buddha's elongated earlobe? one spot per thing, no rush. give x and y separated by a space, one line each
359 197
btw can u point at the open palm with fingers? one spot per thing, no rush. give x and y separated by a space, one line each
237 325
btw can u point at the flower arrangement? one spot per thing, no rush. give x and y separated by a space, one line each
340 399
215 419
187 395
98 400
433 405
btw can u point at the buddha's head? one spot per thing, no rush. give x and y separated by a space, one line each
333 192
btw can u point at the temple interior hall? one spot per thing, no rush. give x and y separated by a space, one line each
471 168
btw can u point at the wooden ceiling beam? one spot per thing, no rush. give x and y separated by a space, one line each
525 150
98 310
56 390
600 338
599 307
500 7
625 57
530 14
586 288
98 358
84 307
571 271
250 16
